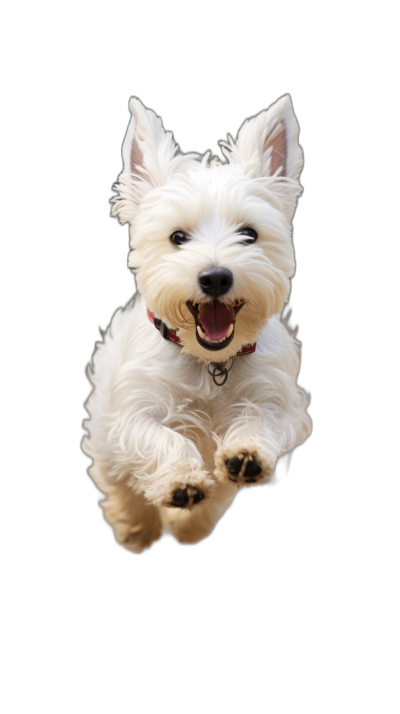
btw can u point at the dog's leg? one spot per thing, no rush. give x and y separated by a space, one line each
169 469
254 440
192 526
153 445
136 524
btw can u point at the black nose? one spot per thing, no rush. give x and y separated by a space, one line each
216 282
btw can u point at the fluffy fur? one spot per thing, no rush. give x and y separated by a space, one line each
159 426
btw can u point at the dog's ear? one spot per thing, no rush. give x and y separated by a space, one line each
268 145
150 157
148 150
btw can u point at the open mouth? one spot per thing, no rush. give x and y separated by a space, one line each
215 322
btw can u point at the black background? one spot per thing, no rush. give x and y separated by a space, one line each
272 535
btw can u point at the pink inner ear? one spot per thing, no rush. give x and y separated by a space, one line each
279 151
136 156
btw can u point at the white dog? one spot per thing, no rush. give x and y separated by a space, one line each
195 388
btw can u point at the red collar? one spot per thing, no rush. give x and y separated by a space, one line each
171 335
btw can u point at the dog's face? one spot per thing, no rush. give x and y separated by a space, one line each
211 239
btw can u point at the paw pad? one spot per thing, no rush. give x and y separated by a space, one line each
185 497
245 466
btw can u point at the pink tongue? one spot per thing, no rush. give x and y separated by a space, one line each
215 318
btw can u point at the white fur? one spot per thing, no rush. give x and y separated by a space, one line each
158 423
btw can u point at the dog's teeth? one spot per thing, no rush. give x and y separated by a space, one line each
205 337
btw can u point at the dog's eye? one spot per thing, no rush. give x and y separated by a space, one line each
178 238
251 235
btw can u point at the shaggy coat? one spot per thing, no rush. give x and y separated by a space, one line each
169 446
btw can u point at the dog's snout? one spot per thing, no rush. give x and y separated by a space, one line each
216 282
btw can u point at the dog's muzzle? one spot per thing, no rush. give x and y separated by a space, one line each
215 322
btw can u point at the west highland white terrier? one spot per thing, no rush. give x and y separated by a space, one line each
194 384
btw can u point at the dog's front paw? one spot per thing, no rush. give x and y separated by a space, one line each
186 497
184 486
187 492
243 464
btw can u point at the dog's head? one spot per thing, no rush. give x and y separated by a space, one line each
211 239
